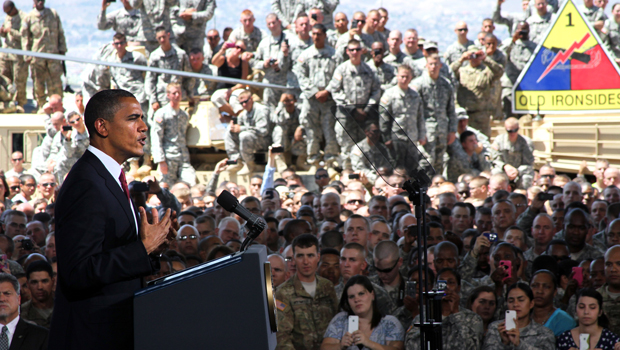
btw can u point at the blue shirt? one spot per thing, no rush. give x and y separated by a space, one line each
560 322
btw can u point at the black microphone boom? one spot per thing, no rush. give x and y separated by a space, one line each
253 222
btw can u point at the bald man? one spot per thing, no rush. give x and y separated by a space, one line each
456 50
611 176
571 193
512 155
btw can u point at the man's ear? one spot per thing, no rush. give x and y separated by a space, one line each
101 128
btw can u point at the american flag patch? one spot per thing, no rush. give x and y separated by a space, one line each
280 305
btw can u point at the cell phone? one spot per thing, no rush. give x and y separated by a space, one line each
354 23
511 319
230 162
286 41
507 265
230 45
354 176
290 195
473 56
492 236
441 285
544 196
235 120
141 187
354 323
578 275
67 128
314 16
378 52
584 341
523 32
411 288
278 149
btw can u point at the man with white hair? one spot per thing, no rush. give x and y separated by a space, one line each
228 229
279 270
611 176
571 193
187 240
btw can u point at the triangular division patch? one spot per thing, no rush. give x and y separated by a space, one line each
570 71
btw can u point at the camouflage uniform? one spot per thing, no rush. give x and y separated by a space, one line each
510 20
67 152
397 294
419 66
386 74
41 153
474 92
170 145
342 43
588 253
97 77
190 34
405 108
286 10
395 60
379 157
455 51
611 38
254 134
332 37
156 83
42 32
517 154
593 13
302 319
130 79
356 85
496 88
518 53
461 163
251 40
482 139
384 302
204 87
30 313
416 55
532 337
13 66
270 48
284 126
7 93
599 241
314 69
611 307
439 114
129 23
154 13
539 25
462 330
327 7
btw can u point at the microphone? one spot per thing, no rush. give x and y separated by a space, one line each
231 204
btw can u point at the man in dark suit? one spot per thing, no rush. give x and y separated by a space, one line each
16 333
102 253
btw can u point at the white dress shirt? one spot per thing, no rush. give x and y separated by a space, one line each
11 329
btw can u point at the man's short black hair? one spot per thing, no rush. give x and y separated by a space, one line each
187 212
104 105
330 251
320 27
331 239
305 240
196 51
39 265
161 29
295 226
464 135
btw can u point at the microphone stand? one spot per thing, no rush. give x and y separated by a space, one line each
254 229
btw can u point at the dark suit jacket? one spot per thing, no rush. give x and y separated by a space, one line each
29 336
101 261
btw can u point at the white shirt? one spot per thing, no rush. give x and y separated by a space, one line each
115 170
11 329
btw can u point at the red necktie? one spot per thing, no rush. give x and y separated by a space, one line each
124 184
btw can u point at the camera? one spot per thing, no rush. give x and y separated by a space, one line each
544 196
354 23
67 128
272 61
27 244
523 32
314 17
230 162
378 52
140 187
279 149
491 236
473 56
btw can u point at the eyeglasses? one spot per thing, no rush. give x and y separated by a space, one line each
119 43
49 184
549 176
14 188
512 131
355 201
184 238
74 121
288 258
240 48
462 29
29 185
355 49
17 159
387 270
322 176
244 101
213 37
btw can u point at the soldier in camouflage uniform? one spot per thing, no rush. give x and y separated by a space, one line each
13 66
128 21
611 33
354 83
593 14
203 88
287 11
69 146
403 105
511 20
532 336
455 51
128 79
303 316
518 51
512 155
154 13
475 82
356 32
42 32
372 22
464 159
611 303
437 96
251 134
327 7
385 72
250 34
539 21
167 56
395 56
490 43
168 132
341 22
303 40
461 328
97 77
314 69
272 56
189 22
287 131
371 152
419 65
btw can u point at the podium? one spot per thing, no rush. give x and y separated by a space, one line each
227 304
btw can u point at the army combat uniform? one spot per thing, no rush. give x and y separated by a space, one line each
128 23
314 69
154 13
379 157
254 134
251 40
13 66
168 132
190 34
42 32
303 319
386 74
353 85
531 337
67 152
439 114
517 154
538 26
455 51
284 126
474 92
462 330
271 48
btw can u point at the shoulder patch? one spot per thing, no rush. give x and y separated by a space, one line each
158 119
280 305
338 76
384 100
410 328
301 59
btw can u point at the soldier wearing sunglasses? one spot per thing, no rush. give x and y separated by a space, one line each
512 155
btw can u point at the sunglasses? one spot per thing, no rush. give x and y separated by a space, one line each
387 270
15 188
548 176
240 48
74 121
512 131
355 201
184 238
356 49
462 29
49 184
213 37
322 176
244 101
17 159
